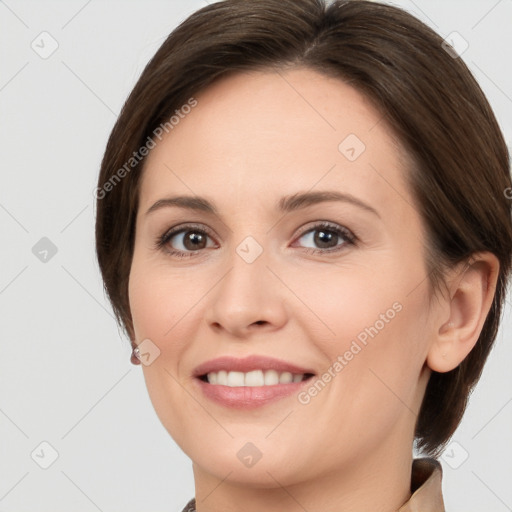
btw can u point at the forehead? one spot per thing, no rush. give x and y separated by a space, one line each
278 132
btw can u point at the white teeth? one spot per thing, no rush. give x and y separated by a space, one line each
235 379
253 378
271 378
285 377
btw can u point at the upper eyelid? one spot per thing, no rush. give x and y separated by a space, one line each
322 223
179 229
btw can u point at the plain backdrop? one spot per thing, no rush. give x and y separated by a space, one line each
78 431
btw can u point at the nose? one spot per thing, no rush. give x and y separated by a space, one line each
248 298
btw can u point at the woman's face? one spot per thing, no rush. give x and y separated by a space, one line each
337 288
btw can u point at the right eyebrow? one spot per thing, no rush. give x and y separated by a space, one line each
188 202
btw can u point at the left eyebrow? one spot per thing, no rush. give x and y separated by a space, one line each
305 199
286 204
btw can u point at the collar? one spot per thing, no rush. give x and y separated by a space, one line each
426 488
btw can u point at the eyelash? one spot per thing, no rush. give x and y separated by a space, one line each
349 238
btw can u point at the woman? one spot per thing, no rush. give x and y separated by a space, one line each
303 227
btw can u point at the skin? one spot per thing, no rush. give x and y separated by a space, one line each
251 139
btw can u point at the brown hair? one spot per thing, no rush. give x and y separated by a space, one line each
460 168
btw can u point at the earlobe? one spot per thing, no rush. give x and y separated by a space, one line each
472 289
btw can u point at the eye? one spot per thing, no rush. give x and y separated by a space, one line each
327 237
189 240
183 241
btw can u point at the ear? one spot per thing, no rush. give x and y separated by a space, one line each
472 285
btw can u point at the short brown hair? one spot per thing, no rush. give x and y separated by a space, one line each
428 97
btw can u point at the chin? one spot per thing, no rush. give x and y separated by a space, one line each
261 475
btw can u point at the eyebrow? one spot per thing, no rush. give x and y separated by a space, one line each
286 204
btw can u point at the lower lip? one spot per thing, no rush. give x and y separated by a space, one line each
249 397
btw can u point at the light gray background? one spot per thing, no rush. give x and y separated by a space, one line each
65 373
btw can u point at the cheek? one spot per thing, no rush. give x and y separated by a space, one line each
159 307
166 309
372 329
372 372
160 301
344 303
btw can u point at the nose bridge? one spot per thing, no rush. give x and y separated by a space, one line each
244 285
248 292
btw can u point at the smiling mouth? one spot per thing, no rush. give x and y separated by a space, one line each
255 378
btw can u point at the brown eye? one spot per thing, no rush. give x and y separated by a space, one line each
185 241
194 240
326 237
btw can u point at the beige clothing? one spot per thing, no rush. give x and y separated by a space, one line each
426 488
427 494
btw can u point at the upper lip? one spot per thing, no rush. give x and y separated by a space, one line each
247 364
